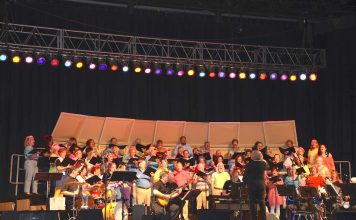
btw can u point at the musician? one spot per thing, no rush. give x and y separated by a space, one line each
181 177
274 199
215 157
313 151
30 166
183 143
180 153
254 176
289 158
159 144
162 190
328 159
218 179
231 187
162 166
68 189
206 147
258 146
70 142
234 149
322 169
90 143
187 161
300 159
247 155
335 178
239 163
90 155
142 185
202 183
131 154
314 179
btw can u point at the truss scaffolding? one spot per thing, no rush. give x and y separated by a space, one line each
25 38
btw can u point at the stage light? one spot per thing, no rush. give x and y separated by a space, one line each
114 67
191 72
273 76
252 75
221 74
54 62
103 66
138 69
313 77
263 76
232 75
125 68
242 75
3 57
79 64
41 60
212 74
302 76
293 77
148 70
68 63
202 74
136 66
284 77
158 71
180 72
29 59
170 72
16 59
92 66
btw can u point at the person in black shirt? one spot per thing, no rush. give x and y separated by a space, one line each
254 177
69 189
231 187
163 190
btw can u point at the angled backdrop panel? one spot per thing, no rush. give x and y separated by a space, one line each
250 132
196 132
221 133
277 132
68 125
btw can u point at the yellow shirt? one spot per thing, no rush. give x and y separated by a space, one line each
312 154
220 179
158 173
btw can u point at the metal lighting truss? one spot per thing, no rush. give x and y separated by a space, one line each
124 48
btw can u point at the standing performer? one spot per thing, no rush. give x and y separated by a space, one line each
254 176
30 166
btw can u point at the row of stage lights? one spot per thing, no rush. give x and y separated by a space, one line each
157 69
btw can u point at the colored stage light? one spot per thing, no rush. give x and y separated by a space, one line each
273 76
114 67
191 72
202 74
158 71
263 76
313 77
103 66
252 75
221 74
41 60
54 62
148 70
29 59
68 63
302 76
293 77
125 68
284 77
138 69
92 66
180 73
3 57
79 64
16 59
242 75
232 75
170 71
212 74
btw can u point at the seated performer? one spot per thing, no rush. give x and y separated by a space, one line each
69 189
164 197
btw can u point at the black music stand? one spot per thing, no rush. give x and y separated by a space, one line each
309 192
331 191
48 177
127 176
287 190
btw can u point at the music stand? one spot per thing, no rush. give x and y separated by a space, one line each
127 176
309 192
48 177
330 190
287 190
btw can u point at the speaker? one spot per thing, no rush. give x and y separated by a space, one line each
138 211
156 217
213 214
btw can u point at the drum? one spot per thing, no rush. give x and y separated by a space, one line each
114 211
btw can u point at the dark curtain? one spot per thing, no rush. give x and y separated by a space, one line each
32 96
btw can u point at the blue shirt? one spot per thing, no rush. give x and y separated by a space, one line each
143 181
185 147
26 152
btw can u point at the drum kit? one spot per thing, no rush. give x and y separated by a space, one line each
107 198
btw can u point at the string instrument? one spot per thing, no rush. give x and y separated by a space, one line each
164 202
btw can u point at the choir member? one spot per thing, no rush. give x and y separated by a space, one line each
30 166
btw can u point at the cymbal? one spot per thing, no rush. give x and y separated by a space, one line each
74 184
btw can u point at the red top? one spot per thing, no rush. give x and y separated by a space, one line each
315 181
181 178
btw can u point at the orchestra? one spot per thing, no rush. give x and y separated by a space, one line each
163 176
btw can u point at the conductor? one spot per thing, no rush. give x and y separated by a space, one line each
254 177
